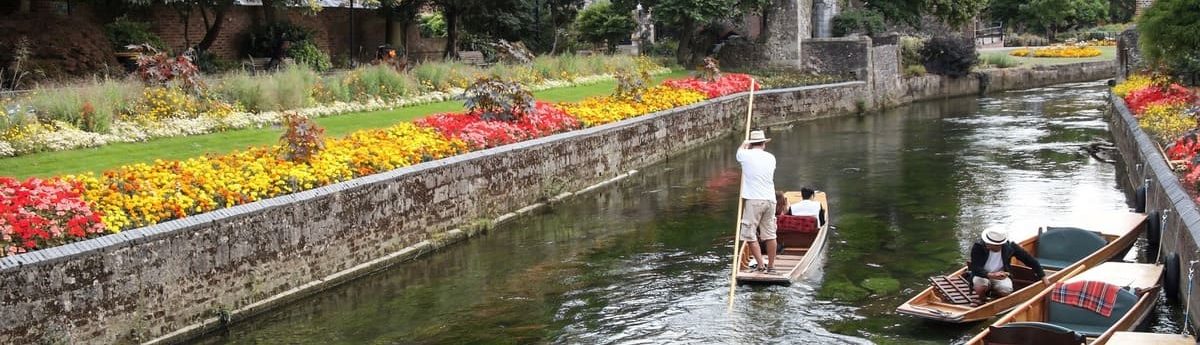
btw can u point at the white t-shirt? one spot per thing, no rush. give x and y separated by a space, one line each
758 174
806 208
994 264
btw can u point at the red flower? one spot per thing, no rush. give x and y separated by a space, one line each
728 83
1139 99
545 119
35 213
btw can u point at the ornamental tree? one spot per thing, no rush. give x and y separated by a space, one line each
1170 36
603 23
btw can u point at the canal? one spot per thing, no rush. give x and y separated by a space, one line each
647 260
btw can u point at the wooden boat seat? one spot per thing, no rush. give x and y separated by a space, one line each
1032 333
797 224
1059 247
952 289
1088 322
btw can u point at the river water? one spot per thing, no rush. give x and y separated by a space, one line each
646 261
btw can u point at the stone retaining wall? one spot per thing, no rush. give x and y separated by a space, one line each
178 279
1165 195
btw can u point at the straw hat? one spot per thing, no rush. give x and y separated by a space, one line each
757 136
994 237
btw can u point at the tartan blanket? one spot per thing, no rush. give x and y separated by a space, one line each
1091 295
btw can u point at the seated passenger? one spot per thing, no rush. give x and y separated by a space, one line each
808 206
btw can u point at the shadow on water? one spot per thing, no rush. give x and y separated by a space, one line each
646 261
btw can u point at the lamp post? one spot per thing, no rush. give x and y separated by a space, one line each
353 60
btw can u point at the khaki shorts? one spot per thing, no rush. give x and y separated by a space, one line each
1002 286
758 215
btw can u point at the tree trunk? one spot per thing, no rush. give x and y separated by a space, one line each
683 54
210 36
451 14
389 22
268 9
26 7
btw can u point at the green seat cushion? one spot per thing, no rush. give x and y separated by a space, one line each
1088 322
1054 264
1064 246
1086 330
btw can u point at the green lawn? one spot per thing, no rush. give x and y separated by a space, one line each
1107 54
110 156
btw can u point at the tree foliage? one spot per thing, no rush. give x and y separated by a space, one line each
953 12
1169 35
1049 16
603 23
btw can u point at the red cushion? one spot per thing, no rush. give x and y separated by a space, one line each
800 224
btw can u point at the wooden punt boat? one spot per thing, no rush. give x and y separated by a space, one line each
1059 250
803 242
1044 321
1139 338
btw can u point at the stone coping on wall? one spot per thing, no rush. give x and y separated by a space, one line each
149 233
1155 167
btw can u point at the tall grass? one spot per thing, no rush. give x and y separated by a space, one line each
92 107
444 75
289 88
379 82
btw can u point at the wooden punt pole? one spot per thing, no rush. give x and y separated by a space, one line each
737 225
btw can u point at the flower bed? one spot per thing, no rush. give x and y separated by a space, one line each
1060 51
1169 113
37 214
726 84
471 128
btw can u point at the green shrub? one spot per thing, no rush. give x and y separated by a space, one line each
123 32
910 50
261 40
602 23
432 25
951 56
663 48
858 21
999 61
914 70
307 53
210 63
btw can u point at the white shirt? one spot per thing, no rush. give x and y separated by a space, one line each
806 208
994 264
758 174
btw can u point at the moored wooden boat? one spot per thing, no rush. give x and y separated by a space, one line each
1139 338
1042 320
1057 244
802 247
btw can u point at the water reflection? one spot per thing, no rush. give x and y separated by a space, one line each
646 261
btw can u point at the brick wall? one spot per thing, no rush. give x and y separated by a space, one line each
331 25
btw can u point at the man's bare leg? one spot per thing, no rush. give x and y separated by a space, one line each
756 251
771 246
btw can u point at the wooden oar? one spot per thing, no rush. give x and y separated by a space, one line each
737 247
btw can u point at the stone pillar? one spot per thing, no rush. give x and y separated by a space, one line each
823 13
787 24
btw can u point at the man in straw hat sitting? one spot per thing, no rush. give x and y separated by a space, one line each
758 190
991 260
